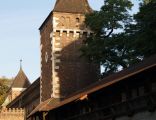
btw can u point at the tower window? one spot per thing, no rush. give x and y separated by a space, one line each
77 20
62 21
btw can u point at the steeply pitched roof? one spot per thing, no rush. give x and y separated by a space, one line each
72 6
21 80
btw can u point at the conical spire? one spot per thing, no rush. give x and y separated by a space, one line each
21 80
72 6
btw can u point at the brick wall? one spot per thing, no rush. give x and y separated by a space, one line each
63 71
12 114
70 71
46 63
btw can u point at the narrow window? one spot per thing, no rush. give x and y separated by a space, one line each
62 21
77 20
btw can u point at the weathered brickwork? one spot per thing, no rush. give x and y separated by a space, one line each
12 114
46 63
70 71
63 71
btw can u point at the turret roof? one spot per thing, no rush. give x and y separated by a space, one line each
21 80
72 6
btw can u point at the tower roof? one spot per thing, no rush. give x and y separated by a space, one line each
21 80
72 6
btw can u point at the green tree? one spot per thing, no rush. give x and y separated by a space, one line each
4 87
107 46
113 49
145 29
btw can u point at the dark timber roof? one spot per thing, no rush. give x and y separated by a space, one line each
21 80
50 104
72 6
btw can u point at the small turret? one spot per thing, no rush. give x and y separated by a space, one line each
21 80
20 83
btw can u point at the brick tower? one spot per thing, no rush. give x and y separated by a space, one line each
63 71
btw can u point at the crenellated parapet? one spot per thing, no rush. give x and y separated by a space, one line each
12 114
65 56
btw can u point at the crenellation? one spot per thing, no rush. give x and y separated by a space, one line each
74 34
12 114
11 110
71 34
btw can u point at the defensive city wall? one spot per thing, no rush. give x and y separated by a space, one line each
12 114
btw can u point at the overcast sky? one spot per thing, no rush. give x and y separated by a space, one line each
19 35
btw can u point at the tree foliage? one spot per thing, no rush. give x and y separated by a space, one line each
4 86
106 46
118 41
145 29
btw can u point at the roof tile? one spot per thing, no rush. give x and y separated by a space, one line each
72 6
21 80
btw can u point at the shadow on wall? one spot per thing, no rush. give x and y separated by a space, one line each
71 72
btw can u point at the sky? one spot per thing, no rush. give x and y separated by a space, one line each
19 34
